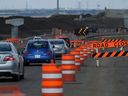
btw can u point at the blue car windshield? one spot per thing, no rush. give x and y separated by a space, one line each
5 47
38 44
56 42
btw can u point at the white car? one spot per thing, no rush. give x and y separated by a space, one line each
59 46
11 62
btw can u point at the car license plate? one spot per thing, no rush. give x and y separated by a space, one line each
37 56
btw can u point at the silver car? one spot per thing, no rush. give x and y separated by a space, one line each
59 46
11 62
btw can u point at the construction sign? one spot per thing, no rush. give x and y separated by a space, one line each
112 40
110 54
110 44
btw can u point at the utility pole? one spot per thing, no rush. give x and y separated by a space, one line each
26 7
57 11
79 5
87 4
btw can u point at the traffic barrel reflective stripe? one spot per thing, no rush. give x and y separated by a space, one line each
77 59
52 83
68 68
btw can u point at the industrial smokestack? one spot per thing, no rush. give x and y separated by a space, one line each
57 11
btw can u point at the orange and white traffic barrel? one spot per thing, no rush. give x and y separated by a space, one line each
87 51
10 91
77 59
91 51
52 83
68 68
81 52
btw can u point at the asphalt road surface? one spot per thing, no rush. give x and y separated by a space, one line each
110 79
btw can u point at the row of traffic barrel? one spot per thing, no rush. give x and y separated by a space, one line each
13 40
76 43
54 76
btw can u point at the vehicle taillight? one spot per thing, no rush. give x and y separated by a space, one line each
48 53
9 58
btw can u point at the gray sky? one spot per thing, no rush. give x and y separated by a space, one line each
48 4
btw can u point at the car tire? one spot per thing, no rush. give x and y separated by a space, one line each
16 77
22 76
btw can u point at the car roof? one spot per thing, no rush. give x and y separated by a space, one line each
33 40
55 39
4 42
38 40
36 37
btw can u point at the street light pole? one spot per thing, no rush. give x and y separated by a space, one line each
57 7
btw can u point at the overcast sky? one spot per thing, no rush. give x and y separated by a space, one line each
49 4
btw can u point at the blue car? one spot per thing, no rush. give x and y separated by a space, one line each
38 51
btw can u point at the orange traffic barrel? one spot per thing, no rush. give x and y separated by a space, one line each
87 51
81 52
10 91
77 59
68 68
91 50
52 83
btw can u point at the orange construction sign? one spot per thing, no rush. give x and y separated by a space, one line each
110 54
110 44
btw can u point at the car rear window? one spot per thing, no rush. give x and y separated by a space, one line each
56 42
5 47
38 44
